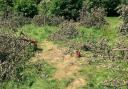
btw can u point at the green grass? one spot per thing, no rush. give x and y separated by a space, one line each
35 76
38 33
95 73
98 72
109 32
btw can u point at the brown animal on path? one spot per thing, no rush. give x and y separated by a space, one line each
78 54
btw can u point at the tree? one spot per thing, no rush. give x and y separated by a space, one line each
27 7
124 1
6 7
67 8
38 1
109 5
44 6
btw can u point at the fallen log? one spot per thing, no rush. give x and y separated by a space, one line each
120 49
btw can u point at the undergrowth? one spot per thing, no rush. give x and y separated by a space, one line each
99 73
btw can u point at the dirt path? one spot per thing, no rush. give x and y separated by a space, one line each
67 65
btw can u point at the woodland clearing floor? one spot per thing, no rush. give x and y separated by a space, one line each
67 66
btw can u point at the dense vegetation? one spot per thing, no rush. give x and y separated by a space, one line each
69 8
78 25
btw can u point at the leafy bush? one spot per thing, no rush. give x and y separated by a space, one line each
13 22
6 7
27 7
94 18
102 48
54 20
124 28
120 50
13 54
37 1
109 5
67 30
40 20
67 8
123 10
75 45
98 17
124 2
44 7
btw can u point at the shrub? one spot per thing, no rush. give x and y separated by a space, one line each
120 51
123 10
124 2
13 22
13 55
98 17
102 48
27 7
44 7
76 45
37 1
21 20
109 5
54 20
6 6
66 31
40 20
124 28
94 18
67 8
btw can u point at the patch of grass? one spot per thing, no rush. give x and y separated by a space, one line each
38 33
95 73
99 72
110 32
37 76
34 76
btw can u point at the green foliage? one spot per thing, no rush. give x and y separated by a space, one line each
26 7
105 74
37 76
97 73
123 10
14 52
124 2
67 30
5 4
14 22
44 7
6 7
67 8
33 76
109 5
38 33
40 20
37 1
55 20
94 18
